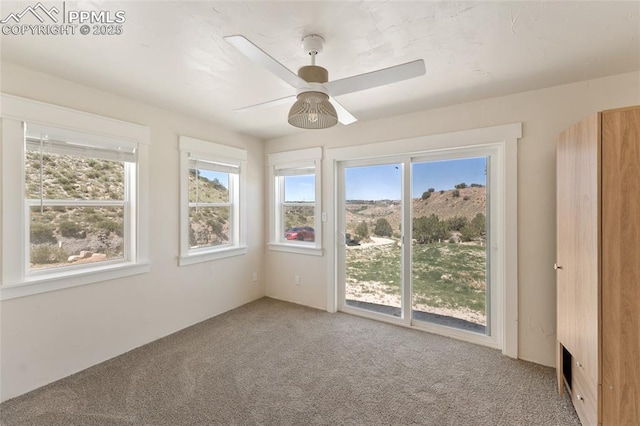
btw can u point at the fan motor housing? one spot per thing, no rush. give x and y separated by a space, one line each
313 74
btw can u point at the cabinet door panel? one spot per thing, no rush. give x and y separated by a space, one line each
578 241
621 267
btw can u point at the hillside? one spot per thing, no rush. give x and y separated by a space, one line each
209 225
470 202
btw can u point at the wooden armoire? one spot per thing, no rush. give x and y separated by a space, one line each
598 266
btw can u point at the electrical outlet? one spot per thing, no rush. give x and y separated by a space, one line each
297 279
254 277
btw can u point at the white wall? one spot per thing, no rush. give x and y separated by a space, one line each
51 335
544 113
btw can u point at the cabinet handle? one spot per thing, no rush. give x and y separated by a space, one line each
579 397
578 364
556 266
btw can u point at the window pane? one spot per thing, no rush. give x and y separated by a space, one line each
450 251
299 189
373 255
298 221
209 226
66 236
67 177
209 187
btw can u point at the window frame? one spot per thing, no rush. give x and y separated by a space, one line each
278 165
210 152
17 279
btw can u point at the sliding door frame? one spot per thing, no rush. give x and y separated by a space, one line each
404 162
500 139
494 277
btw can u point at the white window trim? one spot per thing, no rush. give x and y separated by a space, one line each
505 248
291 160
217 153
16 282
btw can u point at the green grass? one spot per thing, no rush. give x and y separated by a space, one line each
444 275
450 275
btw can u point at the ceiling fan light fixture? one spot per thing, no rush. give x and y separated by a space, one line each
316 104
312 110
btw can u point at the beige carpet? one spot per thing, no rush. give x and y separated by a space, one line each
275 363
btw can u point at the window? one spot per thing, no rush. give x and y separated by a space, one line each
80 198
295 212
77 215
211 201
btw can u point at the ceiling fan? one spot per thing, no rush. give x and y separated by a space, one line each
316 107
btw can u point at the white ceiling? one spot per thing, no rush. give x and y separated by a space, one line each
171 53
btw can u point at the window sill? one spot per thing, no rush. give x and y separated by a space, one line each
61 280
295 248
211 255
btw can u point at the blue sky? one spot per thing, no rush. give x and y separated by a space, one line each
447 174
299 188
223 178
384 182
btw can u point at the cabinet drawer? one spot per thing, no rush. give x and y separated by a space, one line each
583 395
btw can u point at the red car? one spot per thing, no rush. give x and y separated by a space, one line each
300 233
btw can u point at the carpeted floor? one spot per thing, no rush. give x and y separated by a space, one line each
275 363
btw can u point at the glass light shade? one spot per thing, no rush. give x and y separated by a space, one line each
312 110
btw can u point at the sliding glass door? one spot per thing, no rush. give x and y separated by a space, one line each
416 243
449 243
373 256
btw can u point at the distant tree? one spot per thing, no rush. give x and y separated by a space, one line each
41 233
362 230
429 229
441 191
477 228
110 225
476 185
479 222
431 190
466 198
456 223
426 195
383 228
216 227
468 233
69 229
455 193
461 185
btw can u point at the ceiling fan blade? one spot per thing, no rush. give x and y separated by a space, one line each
344 116
376 78
275 102
258 55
